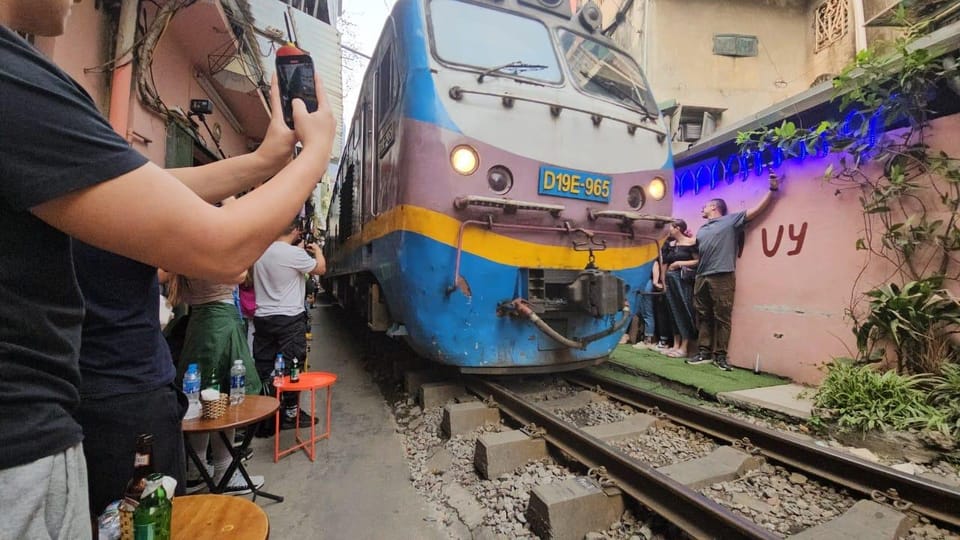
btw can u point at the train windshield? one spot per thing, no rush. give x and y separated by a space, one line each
496 42
607 73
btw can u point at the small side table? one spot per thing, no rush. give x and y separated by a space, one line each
310 381
209 517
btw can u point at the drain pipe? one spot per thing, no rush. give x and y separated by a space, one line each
123 68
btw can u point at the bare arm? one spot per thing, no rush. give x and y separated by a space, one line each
765 201
218 180
148 215
692 263
321 267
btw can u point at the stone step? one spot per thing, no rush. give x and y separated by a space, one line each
500 453
413 380
629 428
438 393
460 418
570 509
866 520
723 464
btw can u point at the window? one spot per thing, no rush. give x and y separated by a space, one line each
386 86
696 122
519 48
734 45
832 18
315 8
606 73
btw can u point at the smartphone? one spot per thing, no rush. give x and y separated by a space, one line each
295 77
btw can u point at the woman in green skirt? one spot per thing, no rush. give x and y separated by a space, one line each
214 338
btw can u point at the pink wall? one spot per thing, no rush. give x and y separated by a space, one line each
84 45
173 71
791 301
87 42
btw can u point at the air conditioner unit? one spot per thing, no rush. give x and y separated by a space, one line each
690 132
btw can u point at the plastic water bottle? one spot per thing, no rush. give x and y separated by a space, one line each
191 387
238 382
278 370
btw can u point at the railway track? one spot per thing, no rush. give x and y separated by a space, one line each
685 507
927 498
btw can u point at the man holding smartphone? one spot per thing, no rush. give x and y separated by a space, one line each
280 319
295 73
64 172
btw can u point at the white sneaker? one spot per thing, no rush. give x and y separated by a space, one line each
195 481
238 486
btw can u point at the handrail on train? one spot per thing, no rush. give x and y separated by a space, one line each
628 217
457 92
509 206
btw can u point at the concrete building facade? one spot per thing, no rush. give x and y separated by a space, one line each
208 49
713 62
801 275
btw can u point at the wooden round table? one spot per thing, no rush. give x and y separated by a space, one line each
251 410
199 517
245 414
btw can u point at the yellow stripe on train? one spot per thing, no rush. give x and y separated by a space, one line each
490 245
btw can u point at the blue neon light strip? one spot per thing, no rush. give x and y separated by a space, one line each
716 172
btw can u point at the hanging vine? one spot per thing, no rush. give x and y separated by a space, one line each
910 195
146 86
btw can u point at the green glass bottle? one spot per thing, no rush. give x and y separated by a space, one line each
151 520
295 370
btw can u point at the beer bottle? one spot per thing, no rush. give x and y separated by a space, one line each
151 520
142 468
295 370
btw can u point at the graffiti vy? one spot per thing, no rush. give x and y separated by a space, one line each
796 237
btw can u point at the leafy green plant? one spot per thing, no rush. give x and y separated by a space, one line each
946 397
916 319
859 398
910 198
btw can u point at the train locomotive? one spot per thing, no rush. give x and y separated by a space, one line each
503 188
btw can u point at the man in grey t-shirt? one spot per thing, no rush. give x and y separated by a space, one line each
279 323
715 284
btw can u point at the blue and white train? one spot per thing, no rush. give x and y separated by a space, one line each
503 187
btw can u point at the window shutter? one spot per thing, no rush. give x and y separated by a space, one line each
179 147
735 45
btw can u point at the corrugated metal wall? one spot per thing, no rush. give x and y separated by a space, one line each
318 38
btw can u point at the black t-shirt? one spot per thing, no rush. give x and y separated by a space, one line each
52 141
123 350
674 252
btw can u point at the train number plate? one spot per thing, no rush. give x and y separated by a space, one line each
558 182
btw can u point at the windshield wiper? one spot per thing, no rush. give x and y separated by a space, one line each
516 64
615 89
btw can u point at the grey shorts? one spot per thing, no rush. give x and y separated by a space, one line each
46 499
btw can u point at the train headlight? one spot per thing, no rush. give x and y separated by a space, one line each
464 160
500 179
657 188
636 198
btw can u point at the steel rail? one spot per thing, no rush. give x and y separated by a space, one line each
926 497
697 515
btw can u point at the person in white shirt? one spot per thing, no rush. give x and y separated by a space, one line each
280 319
